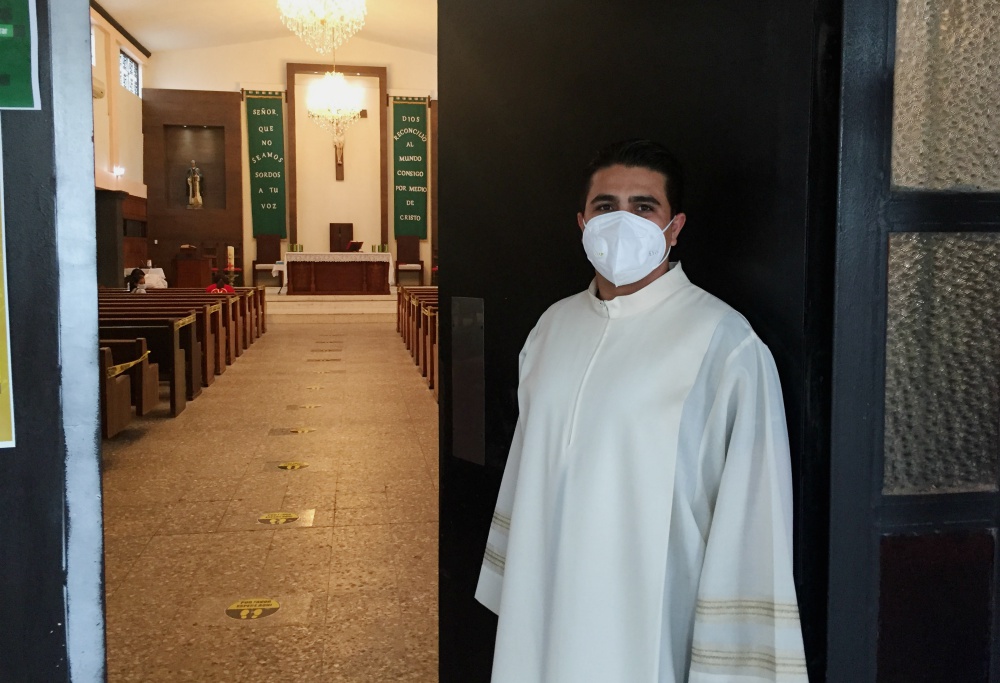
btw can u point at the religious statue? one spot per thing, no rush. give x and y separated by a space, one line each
194 179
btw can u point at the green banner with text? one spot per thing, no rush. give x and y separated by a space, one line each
266 145
18 55
410 168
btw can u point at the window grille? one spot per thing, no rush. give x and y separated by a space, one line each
129 69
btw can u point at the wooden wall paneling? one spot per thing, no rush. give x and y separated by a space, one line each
170 224
381 73
110 224
134 208
134 253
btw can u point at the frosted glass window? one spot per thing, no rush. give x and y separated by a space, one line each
946 114
942 383
129 70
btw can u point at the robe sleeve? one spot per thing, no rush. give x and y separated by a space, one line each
746 615
490 585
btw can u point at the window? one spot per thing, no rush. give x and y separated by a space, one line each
129 69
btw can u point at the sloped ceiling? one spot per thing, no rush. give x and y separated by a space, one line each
184 24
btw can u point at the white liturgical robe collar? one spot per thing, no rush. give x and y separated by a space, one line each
637 302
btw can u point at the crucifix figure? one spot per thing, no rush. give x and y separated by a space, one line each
338 155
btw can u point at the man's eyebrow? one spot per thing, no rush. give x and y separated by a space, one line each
604 198
644 199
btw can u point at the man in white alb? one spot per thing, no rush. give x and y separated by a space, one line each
643 530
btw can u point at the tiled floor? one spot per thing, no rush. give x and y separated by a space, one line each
355 576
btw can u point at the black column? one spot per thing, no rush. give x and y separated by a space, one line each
528 91
50 539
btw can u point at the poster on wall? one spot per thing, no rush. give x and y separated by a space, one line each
266 146
18 55
6 392
409 165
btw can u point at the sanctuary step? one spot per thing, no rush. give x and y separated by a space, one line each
318 308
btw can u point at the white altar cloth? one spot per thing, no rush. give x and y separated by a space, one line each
336 256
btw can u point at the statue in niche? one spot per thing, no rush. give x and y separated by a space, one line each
194 182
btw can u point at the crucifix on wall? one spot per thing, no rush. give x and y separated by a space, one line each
338 151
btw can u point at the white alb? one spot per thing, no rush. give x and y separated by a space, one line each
643 531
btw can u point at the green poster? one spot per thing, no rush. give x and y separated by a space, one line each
18 55
266 145
409 162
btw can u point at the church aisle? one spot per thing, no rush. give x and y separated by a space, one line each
354 576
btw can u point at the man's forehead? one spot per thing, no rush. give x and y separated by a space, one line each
627 181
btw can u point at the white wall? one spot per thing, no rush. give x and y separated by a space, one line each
117 115
356 199
230 67
321 198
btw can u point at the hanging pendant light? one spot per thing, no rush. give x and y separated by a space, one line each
334 104
324 25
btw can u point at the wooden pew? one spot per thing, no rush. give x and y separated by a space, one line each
144 377
172 344
415 331
254 303
208 326
229 334
116 396
207 318
409 312
428 344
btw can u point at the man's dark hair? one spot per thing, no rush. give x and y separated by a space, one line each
641 154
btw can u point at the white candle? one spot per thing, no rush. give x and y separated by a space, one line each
230 257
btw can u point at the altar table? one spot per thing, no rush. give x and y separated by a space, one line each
339 272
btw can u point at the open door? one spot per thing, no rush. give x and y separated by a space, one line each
916 384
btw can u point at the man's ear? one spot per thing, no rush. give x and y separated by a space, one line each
675 229
580 221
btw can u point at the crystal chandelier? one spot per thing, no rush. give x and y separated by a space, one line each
324 25
334 104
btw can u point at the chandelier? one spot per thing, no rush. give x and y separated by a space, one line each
324 25
334 104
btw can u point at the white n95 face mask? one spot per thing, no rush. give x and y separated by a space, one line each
623 247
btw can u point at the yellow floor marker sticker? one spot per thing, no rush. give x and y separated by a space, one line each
292 465
301 430
277 518
254 608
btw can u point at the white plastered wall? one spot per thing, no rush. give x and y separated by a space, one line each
321 199
117 115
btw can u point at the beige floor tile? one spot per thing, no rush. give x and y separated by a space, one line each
358 587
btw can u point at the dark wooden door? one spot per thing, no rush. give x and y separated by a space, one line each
916 383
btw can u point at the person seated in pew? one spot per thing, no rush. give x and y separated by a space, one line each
136 281
221 286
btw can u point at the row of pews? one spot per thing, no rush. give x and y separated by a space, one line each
417 323
184 337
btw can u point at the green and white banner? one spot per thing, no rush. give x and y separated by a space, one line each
266 145
409 166
18 55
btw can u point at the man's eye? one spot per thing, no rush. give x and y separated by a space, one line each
603 207
644 207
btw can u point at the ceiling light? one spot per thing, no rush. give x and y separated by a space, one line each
334 104
324 25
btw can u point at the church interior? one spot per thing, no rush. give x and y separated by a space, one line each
270 459
284 461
